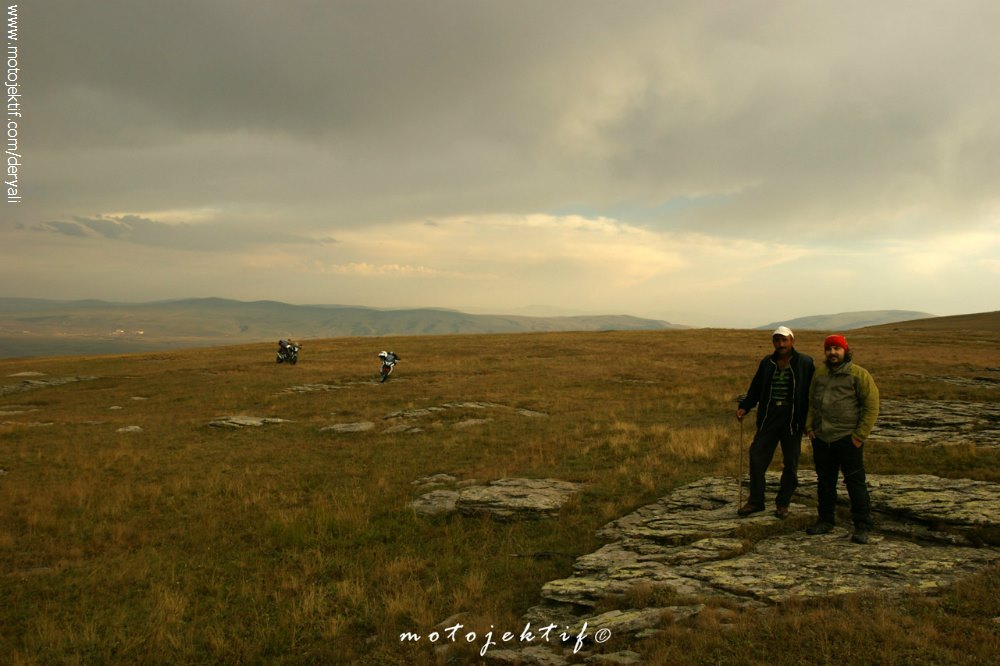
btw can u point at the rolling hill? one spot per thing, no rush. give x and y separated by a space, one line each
980 321
845 321
33 327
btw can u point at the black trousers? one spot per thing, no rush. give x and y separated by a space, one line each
831 458
775 429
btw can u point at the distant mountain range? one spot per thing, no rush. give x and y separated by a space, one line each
34 327
846 321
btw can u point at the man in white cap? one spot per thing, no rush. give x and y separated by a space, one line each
781 389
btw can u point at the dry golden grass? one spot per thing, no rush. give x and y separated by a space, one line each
186 543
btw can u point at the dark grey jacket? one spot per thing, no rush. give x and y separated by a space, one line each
760 388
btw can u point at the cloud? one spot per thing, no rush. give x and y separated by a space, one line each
599 154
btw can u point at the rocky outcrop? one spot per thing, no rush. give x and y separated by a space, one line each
504 499
435 503
405 421
32 384
360 426
929 533
517 499
936 422
469 405
243 421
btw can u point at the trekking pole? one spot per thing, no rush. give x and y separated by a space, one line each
739 479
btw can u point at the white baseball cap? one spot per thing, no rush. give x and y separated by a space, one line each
783 330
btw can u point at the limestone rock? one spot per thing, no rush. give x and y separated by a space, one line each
937 422
311 388
435 480
360 426
435 502
632 621
402 428
508 499
622 658
468 405
469 423
243 421
535 655
689 541
131 428
31 384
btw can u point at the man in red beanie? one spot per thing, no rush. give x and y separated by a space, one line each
843 406
781 388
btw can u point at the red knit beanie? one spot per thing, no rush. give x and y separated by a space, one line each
836 340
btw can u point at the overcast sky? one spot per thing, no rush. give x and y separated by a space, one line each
707 163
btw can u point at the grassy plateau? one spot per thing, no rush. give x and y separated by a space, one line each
186 543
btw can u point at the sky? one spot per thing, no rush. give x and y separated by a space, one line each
723 164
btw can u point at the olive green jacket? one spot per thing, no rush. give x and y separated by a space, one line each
842 402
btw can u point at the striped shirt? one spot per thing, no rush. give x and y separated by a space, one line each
781 384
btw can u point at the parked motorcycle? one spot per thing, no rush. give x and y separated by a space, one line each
388 363
288 352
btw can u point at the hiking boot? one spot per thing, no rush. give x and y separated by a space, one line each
781 512
821 527
749 508
860 535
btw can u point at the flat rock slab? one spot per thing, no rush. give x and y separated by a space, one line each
311 388
360 426
469 423
690 541
939 422
798 565
990 379
435 503
423 412
504 499
244 421
32 384
512 499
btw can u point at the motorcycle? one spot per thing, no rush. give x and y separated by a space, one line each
288 352
388 363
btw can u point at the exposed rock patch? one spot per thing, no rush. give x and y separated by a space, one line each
319 387
310 388
402 422
469 423
972 382
929 533
935 422
690 541
131 428
244 421
513 499
31 384
435 480
504 499
360 426
435 502
473 405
